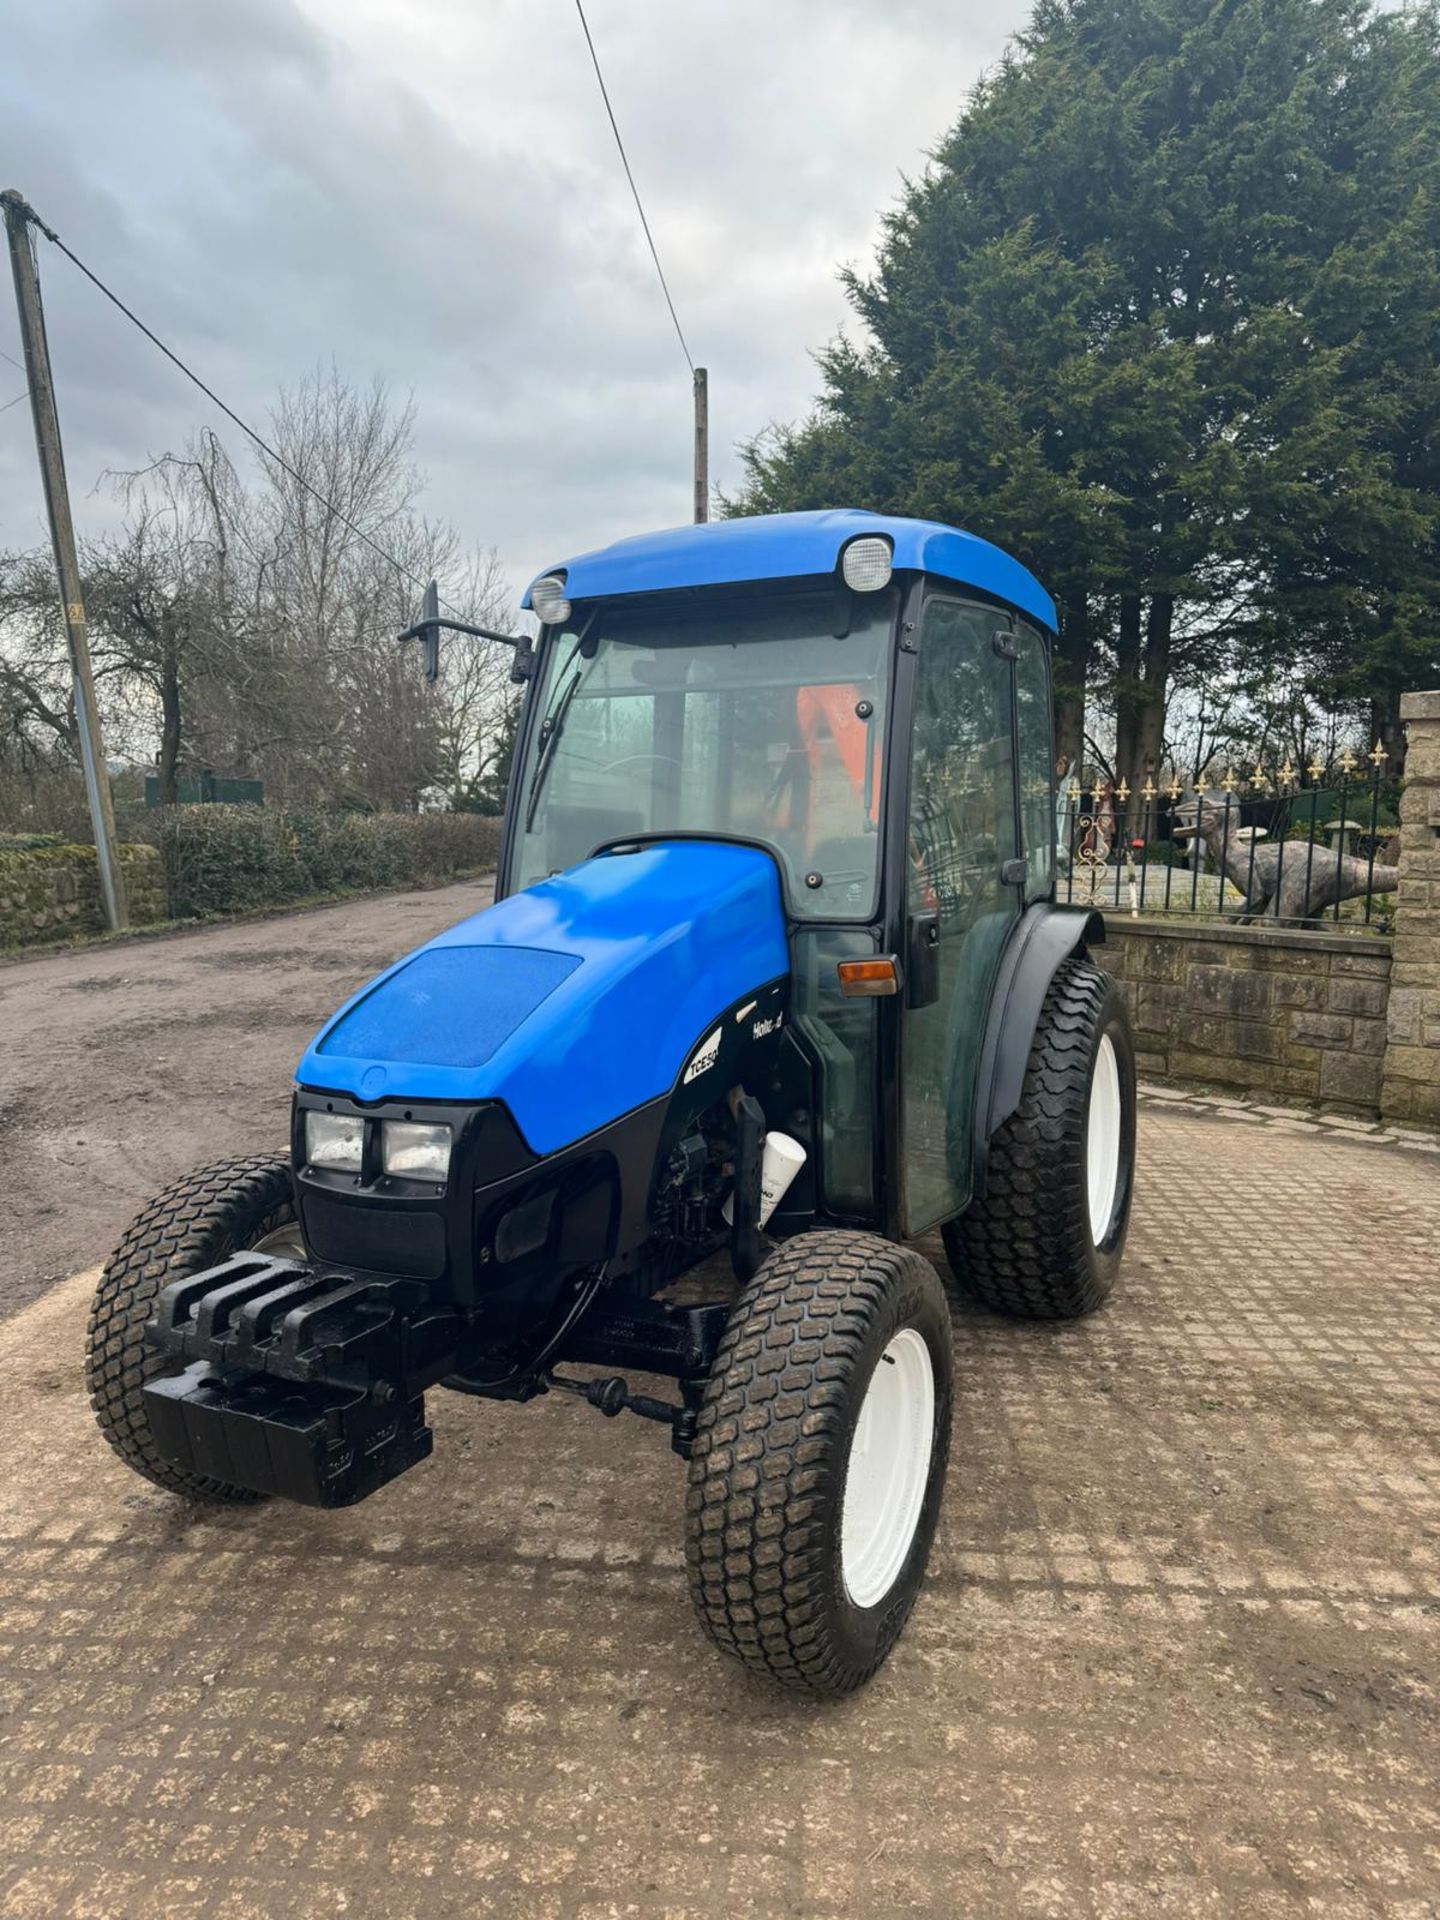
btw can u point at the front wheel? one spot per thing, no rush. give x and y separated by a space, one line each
1045 1239
819 1462
239 1206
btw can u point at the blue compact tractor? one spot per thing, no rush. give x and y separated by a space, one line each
774 985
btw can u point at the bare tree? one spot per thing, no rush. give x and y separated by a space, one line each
163 598
247 624
38 708
343 546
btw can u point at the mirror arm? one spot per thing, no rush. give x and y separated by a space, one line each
427 631
422 629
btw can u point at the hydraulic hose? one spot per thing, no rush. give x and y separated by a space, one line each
535 1363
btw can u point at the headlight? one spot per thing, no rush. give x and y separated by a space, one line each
411 1151
334 1140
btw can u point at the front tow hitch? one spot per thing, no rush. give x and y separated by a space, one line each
611 1394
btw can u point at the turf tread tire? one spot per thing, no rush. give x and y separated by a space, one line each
769 1460
193 1225
1024 1247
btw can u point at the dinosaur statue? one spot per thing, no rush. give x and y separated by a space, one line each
1287 880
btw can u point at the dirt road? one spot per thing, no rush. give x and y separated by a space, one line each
122 1066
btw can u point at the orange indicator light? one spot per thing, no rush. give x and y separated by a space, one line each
869 979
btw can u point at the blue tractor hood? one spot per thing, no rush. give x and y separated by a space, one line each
573 1002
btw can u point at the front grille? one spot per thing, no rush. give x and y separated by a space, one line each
380 1239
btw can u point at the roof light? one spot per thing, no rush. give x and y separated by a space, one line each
547 597
865 564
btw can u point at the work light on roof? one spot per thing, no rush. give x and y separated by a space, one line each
547 597
865 564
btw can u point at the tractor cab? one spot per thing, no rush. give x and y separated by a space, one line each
868 700
774 982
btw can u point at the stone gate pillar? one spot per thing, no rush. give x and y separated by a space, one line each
1411 1086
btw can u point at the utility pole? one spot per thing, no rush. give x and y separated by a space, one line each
19 218
702 446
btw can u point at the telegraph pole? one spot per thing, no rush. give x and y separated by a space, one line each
19 217
702 446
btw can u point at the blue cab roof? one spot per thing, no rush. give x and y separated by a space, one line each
789 546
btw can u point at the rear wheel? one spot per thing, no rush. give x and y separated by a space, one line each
819 1464
237 1206
1045 1239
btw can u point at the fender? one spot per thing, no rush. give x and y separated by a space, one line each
1043 937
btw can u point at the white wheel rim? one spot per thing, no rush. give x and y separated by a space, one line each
288 1242
1102 1140
888 1469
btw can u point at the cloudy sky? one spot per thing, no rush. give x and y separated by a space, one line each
427 190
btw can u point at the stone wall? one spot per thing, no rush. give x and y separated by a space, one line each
53 892
1412 1055
1342 1020
1300 1016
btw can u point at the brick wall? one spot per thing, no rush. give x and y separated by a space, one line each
55 892
1297 1015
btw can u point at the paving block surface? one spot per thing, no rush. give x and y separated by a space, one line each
1178 1651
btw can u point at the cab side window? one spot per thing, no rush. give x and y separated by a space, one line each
962 831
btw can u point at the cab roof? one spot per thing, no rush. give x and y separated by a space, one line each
789 546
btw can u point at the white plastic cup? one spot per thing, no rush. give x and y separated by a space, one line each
782 1160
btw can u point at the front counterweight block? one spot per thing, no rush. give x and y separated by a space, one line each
323 1446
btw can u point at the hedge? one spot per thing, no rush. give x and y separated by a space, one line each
30 842
221 859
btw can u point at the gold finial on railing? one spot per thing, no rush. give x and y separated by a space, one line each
1174 790
1348 762
1149 790
1286 775
1315 770
1122 792
1229 783
1258 780
1377 756
1073 789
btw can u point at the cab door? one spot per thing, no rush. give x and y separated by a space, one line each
964 871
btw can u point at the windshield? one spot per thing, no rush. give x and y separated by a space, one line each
752 719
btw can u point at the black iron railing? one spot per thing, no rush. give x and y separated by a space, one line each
1306 846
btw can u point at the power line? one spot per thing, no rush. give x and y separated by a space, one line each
639 207
229 412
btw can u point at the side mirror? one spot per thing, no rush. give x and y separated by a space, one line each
430 631
522 667
427 631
